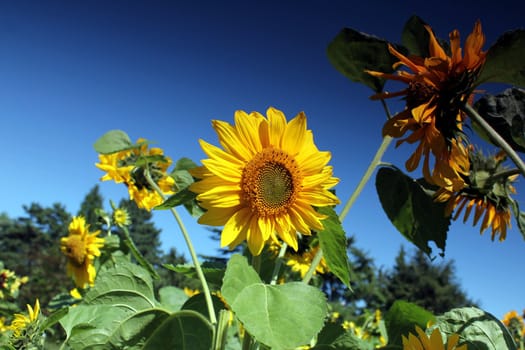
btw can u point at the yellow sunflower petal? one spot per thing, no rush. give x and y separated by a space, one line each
294 135
235 224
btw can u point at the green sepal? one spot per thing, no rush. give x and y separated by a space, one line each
411 208
402 318
505 113
476 328
504 62
352 52
333 243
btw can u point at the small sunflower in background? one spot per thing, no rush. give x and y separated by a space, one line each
81 247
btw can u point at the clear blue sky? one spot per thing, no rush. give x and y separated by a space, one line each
70 71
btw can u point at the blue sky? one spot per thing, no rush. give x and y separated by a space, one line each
70 71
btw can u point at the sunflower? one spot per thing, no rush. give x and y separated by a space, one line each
434 342
22 321
301 262
124 167
266 180
121 217
437 88
81 247
487 190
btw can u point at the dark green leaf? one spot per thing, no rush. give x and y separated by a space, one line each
198 303
52 319
505 63
133 331
333 244
183 330
412 209
214 272
505 113
352 52
113 141
172 298
181 197
415 37
476 328
281 316
402 318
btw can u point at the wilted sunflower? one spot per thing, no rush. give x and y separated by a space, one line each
122 167
487 191
81 247
22 321
434 342
266 181
437 88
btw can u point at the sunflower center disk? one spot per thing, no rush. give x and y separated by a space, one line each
270 182
76 250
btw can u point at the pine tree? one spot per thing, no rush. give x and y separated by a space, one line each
428 284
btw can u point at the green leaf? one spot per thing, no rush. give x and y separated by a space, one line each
239 275
273 313
54 318
402 318
181 197
183 330
182 178
335 337
352 52
133 331
504 62
125 283
91 326
411 208
185 164
476 328
213 271
333 243
113 141
172 298
198 303
505 113
415 37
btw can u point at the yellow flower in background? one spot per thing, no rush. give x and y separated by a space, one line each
437 87
22 321
122 167
434 342
301 262
81 247
121 217
266 180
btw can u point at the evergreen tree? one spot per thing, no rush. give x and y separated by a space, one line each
91 202
31 247
428 284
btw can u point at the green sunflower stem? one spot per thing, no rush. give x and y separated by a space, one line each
500 141
278 264
313 266
376 161
138 255
193 254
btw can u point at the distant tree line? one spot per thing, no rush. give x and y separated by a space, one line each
30 246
